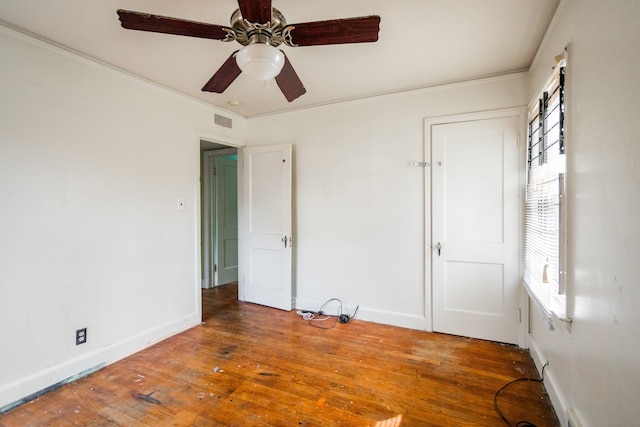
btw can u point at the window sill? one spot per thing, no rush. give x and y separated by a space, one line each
554 312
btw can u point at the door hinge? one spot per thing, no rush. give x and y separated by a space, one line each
519 315
215 171
215 268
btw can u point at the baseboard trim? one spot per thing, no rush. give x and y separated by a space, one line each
550 383
384 317
35 385
53 387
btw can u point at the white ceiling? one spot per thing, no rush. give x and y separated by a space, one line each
422 43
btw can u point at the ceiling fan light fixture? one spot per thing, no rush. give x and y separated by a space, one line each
260 61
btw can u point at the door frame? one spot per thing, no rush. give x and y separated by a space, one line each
429 122
201 135
209 276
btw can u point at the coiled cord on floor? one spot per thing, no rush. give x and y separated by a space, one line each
522 423
321 316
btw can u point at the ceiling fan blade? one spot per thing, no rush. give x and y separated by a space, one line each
163 24
225 75
289 82
336 31
255 11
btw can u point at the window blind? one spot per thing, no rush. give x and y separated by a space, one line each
544 260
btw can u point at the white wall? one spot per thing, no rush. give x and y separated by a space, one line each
595 368
92 162
359 206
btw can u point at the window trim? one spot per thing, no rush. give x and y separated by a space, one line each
554 91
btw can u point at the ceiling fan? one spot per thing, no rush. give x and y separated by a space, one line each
260 29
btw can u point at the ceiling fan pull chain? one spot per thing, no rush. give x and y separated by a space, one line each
267 84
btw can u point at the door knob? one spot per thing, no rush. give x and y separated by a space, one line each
438 247
287 240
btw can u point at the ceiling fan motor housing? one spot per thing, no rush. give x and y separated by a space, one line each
271 32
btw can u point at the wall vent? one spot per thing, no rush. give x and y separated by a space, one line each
223 121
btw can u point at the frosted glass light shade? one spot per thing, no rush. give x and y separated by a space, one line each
260 61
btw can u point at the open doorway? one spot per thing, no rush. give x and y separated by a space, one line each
219 196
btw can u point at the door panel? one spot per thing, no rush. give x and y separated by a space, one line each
267 200
474 190
475 220
226 220
486 275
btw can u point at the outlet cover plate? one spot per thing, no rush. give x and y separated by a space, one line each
81 336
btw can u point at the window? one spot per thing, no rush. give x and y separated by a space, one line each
544 274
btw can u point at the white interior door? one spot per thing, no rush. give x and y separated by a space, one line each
475 228
267 225
226 214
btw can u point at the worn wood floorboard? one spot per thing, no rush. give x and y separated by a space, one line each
249 365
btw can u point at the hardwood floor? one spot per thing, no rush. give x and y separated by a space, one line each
249 365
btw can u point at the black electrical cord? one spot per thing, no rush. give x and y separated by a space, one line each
495 399
355 313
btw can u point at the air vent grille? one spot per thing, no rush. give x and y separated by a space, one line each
223 121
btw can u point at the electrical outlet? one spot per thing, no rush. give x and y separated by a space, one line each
180 204
81 336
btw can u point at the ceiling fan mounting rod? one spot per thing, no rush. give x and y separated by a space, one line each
259 37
